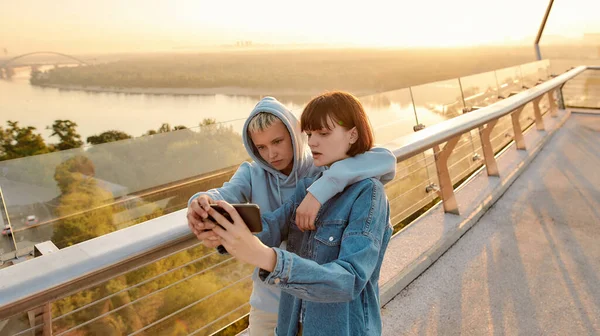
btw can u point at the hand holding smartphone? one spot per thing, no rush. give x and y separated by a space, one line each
250 214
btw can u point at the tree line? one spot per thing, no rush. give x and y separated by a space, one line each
354 70
21 141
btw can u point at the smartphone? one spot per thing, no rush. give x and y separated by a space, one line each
249 212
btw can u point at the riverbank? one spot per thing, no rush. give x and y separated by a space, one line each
228 91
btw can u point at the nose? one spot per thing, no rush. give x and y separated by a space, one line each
272 154
312 142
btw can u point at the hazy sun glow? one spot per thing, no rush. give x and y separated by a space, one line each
152 25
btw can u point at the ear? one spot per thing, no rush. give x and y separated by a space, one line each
353 135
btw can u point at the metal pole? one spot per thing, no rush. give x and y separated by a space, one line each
12 233
541 31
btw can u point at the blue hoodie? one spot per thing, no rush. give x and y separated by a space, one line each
257 182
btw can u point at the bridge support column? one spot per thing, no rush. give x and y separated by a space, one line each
519 139
441 164
539 121
553 107
488 151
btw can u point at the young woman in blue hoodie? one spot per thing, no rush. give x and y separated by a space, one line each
281 159
329 276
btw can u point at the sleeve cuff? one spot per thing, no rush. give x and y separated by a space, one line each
324 189
281 272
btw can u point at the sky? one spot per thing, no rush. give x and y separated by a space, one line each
72 26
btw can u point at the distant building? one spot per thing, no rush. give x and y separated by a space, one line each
243 44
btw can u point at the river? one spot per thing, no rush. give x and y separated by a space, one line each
135 114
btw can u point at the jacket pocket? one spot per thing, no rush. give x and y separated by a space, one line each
328 240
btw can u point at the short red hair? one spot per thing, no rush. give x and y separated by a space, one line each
343 109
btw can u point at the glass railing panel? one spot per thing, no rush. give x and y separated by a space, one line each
466 157
444 99
583 91
392 114
479 90
502 134
527 117
439 101
560 66
434 103
412 188
24 324
78 194
193 289
545 104
509 81
534 73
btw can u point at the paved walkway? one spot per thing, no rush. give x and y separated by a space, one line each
531 265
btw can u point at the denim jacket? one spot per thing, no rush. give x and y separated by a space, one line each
329 277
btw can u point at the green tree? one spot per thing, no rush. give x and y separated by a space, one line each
67 133
108 136
16 142
208 121
81 206
165 128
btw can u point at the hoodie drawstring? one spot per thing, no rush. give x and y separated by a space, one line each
279 192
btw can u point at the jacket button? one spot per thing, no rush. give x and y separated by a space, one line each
277 280
330 238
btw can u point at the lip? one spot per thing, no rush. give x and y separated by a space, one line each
277 162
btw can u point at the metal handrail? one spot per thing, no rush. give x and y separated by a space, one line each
415 143
31 284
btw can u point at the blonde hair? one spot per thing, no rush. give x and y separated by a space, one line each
262 121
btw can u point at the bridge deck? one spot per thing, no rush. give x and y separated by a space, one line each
531 265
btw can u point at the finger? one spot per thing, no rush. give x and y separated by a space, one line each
198 210
206 224
211 242
192 219
303 225
206 235
204 203
220 219
311 222
223 234
298 221
193 228
235 216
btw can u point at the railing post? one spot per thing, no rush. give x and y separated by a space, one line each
539 121
553 107
488 151
43 313
519 139
47 320
441 164
559 98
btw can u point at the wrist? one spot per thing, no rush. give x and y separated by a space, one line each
268 259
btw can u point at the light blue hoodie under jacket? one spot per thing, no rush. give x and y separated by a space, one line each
257 182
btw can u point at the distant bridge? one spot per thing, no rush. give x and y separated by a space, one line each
10 60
